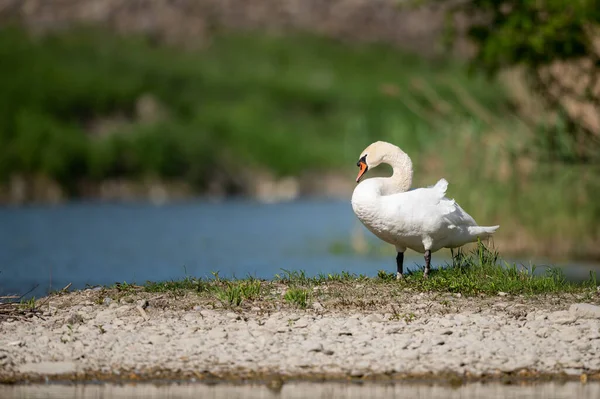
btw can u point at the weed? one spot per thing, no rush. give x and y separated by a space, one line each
297 296
231 294
125 287
28 304
177 286
250 289
409 317
293 277
385 276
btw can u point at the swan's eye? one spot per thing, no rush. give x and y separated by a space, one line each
362 159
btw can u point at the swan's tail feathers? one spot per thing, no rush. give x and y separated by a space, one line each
482 231
441 186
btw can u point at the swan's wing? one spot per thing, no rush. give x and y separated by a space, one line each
425 198
429 207
459 217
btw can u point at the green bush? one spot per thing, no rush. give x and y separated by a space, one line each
534 34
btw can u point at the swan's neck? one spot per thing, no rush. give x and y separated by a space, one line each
401 179
368 191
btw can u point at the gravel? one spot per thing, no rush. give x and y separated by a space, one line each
90 338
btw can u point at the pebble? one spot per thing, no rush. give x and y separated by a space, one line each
585 310
313 340
142 303
48 368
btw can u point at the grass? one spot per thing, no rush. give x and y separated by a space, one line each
478 273
70 104
481 272
235 292
472 282
297 296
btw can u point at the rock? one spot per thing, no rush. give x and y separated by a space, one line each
585 311
373 318
105 316
66 338
317 306
500 293
107 301
48 368
74 318
301 323
563 317
356 373
393 330
404 343
570 334
142 303
156 339
217 334
314 346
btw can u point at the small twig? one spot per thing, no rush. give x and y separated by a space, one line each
66 287
142 312
28 292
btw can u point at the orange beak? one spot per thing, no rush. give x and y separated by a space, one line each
363 169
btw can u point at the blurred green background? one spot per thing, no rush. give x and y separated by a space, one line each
268 100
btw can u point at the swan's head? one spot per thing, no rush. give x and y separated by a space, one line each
372 157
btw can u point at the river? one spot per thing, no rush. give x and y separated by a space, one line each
44 248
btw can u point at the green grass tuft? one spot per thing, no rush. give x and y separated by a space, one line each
297 296
179 286
481 272
231 294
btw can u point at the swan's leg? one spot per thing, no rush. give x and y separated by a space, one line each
399 263
427 263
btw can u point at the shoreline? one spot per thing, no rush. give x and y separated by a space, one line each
415 338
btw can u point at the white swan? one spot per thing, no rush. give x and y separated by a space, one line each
422 219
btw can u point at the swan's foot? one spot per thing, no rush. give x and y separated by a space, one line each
427 264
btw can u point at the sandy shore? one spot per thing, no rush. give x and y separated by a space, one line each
81 336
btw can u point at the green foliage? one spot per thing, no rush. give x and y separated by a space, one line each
235 292
532 32
480 272
297 296
28 304
70 101
177 286
231 294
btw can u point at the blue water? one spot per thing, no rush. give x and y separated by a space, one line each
49 247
